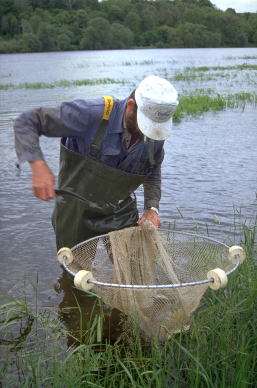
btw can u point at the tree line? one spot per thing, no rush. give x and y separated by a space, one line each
54 25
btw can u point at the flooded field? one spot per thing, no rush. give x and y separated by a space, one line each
209 171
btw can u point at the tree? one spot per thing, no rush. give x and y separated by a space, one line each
132 21
89 41
214 39
252 23
173 38
122 37
25 26
82 18
185 34
45 15
97 35
240 39
47 36
148 20
62 18
8 7
63 42
150 38
193 35
229 27
212 19
205 3
9 24
167 15
34 21
22 5
163 35
114 14
32 43
67 24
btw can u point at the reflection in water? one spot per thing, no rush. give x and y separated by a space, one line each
23 331
79 310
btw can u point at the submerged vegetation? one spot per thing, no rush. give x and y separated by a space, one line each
205 74
61 84
219 350
197 102
191 103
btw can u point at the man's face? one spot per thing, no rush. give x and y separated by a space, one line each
131 121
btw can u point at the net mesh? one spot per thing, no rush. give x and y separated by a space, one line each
144 255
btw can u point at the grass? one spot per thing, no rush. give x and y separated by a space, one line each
216 73
219 350
61 84
195 104
190 103
201 100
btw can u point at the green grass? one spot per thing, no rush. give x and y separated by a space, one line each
219 350
195 104
190 103
205 73
61 84
200 101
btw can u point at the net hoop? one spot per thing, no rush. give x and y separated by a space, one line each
159 286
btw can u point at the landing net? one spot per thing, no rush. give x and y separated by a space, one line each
158 275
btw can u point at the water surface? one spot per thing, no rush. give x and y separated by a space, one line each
209 171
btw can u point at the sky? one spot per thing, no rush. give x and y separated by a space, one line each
239 6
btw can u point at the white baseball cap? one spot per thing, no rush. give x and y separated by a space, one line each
156 100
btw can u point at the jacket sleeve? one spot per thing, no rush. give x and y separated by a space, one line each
70 119
152 185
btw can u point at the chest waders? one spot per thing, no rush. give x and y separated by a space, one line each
110 189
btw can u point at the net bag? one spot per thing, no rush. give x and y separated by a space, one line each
157 275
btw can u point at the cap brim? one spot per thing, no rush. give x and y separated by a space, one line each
153 130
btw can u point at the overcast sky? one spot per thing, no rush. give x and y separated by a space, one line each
238 5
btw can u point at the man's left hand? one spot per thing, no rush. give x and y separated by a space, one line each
150 215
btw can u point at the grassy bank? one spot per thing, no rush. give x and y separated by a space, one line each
219 350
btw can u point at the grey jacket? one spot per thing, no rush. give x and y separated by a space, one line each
78 121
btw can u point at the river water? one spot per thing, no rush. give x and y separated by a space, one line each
209 171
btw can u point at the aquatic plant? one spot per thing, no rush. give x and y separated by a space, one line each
190 103
219 350
61 83
211 73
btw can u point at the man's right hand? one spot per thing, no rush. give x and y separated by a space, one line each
43 180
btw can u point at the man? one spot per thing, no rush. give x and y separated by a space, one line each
109 147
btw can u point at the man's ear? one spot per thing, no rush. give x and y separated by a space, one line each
130 103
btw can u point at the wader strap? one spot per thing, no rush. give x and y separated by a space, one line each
96 146
151 161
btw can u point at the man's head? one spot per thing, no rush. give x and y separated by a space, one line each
153 106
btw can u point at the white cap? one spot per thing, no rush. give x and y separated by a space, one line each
156 100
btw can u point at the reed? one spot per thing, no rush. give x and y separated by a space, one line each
219 350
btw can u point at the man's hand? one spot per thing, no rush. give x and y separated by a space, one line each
43 180
150 215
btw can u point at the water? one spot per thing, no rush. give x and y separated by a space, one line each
209 171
